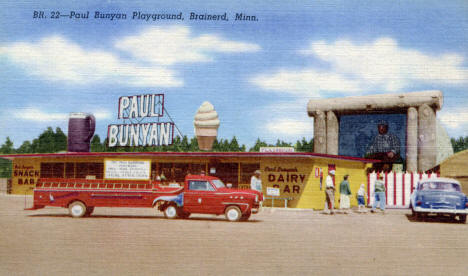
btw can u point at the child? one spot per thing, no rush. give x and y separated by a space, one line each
361 197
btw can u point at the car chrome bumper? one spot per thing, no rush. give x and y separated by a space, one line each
258 209
441 211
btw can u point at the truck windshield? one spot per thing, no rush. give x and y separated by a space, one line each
218 183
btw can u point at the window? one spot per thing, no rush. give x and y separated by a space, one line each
69 170
52 170
200 186
247 170
218 183
85 169
180 170
446 186
175 172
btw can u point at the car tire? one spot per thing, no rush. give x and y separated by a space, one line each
233 213
462 218
77 209
89 211
413 213
170 212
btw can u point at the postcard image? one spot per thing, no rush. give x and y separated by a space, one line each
265 137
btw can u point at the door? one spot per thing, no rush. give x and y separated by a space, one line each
199 196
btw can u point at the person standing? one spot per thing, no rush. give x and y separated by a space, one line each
330 191
379 194
361 198
345 192
256 181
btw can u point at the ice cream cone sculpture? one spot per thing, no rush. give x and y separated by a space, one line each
206 126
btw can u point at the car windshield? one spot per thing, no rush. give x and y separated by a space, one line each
218 183
442 186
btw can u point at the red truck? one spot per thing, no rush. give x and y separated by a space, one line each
200 194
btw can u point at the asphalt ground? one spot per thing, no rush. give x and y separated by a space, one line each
134 241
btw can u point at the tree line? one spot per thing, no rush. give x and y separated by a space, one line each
51 141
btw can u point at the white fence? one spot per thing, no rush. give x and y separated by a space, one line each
399 187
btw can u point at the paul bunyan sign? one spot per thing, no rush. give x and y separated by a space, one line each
137 108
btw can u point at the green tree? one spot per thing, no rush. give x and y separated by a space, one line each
7 147
60 140
194 144
5 168
234 145
50 141
459 144
304 145
258 145
184 145
26 147
96 145
281 143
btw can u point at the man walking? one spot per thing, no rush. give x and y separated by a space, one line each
256 181
379 194
330 191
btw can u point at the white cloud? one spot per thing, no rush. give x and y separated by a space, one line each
37 115
289 128
306 82
175 44
102 114
381 65
384 63
454 119
55 58
33 114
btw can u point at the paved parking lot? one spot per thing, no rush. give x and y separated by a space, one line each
131 241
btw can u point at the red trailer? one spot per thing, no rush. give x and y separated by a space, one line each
200 194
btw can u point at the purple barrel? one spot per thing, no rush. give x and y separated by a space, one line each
80 131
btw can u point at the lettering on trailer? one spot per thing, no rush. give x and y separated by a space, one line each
136 109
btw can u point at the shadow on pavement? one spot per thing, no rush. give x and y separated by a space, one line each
220 218
432 219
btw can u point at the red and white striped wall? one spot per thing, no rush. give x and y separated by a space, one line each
399 187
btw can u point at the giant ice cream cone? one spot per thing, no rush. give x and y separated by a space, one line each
206 126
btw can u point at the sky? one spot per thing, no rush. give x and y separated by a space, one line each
259 75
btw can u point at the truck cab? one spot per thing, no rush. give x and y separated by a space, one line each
203 194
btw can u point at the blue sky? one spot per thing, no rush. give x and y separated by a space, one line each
258 75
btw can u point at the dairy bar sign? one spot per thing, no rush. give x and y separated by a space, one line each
135 130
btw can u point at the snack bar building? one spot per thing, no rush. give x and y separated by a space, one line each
300 177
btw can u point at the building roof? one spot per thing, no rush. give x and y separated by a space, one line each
189 154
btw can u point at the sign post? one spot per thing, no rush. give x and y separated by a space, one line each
273 192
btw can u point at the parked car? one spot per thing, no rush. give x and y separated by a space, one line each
440 197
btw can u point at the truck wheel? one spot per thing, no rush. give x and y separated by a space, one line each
233 213
89 211
170 212
77 209
245 217
181 214
462 218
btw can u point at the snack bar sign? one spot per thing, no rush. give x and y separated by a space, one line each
136 133
127 169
